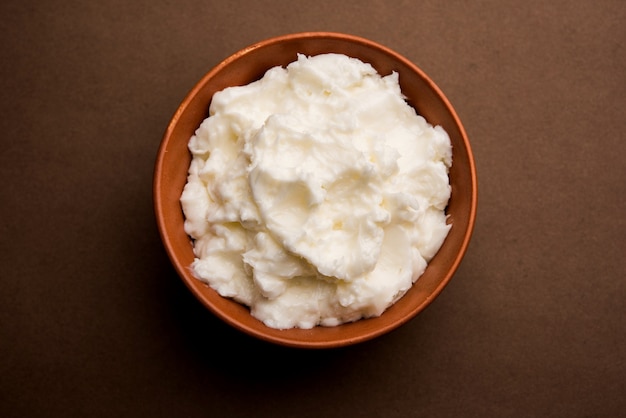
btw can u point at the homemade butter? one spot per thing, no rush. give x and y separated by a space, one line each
316 195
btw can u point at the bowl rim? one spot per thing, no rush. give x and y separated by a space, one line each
276 338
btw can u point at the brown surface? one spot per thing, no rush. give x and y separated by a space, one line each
95 322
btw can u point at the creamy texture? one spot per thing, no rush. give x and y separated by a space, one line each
316 195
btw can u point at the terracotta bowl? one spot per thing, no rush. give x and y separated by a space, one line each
250 64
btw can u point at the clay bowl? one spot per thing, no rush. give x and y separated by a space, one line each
250 64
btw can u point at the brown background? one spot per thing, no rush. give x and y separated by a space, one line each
95 322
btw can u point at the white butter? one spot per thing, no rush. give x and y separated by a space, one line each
316 195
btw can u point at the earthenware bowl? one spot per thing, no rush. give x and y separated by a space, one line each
249 64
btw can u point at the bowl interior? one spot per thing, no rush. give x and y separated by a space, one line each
249 65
